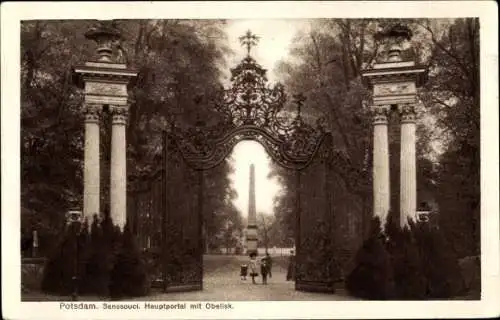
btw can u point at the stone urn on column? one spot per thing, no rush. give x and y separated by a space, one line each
105 82
394 82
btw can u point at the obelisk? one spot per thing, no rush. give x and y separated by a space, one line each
252 216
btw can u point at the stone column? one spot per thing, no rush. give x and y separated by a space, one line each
118 183
381 185
408 192
91 172
252 215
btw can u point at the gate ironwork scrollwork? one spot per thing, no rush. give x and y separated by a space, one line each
251 110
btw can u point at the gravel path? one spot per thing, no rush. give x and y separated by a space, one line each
222 283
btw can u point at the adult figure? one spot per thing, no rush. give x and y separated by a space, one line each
291 267
269 264
264 268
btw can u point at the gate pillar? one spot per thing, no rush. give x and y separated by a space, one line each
105 81
394 83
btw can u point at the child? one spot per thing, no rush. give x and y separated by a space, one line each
244 271
253 266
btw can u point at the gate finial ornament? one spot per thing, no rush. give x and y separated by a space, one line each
249 40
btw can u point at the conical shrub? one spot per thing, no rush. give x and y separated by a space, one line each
129 275
372 276
83 253
95 280
60 267
409 278
439 262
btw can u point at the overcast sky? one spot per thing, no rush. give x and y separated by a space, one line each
275 39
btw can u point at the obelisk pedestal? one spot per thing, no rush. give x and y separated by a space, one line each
252 216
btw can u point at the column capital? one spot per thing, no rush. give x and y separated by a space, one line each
119 114
380 114
407 112
92 113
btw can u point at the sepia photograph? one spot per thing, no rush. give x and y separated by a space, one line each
193 163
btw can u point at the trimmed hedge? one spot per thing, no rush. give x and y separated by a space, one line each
109 262
415 263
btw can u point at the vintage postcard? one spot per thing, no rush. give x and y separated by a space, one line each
250 160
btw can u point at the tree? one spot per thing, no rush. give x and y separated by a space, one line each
264 224
51 125
452 94
283 203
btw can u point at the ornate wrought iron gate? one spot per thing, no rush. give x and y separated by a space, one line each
317 267
146 210
182 225
249 110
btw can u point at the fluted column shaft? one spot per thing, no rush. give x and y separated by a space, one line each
408 194
118 183
381 185
91 172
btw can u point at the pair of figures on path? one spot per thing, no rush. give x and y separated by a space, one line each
265 268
